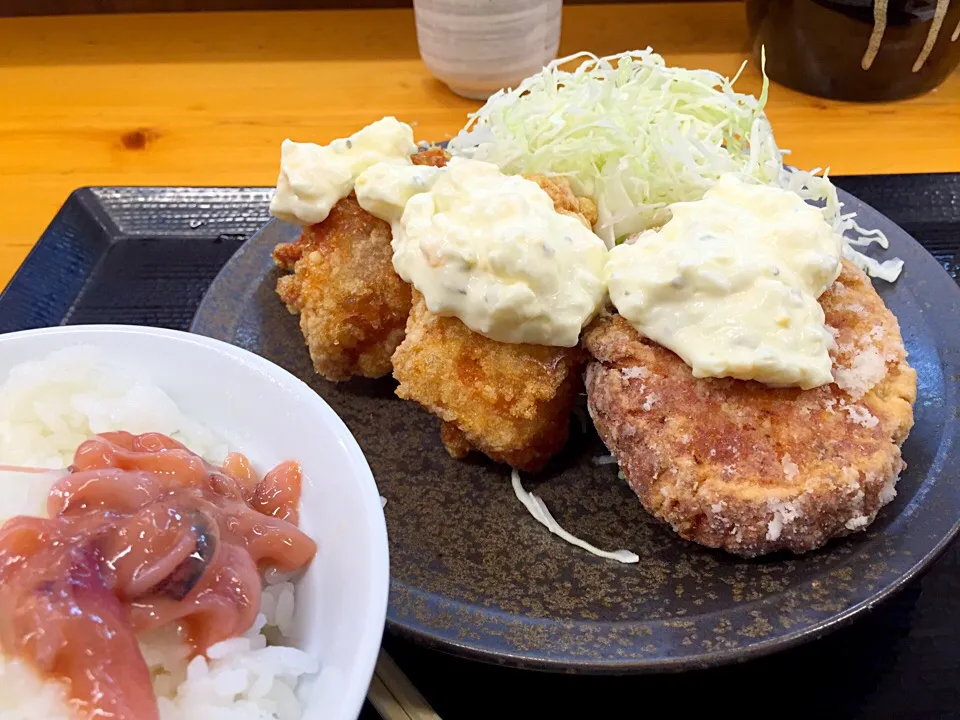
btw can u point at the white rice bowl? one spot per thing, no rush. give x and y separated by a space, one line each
60 386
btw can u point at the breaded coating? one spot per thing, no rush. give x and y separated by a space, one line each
353 306
509 401
434 156
752 469
565 201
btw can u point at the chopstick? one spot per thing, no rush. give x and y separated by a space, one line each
394 696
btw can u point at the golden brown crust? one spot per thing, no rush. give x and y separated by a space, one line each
565 201
454 440
353 307
509 401
752 469
435 157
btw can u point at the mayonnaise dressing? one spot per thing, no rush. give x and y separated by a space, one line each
489 249
313 178
384 189
730 284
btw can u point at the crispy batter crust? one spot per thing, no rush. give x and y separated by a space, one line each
751 469
353 306
565 201
509 401
435 157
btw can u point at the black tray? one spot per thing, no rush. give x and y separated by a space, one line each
146 256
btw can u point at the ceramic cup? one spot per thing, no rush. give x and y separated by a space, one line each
477 47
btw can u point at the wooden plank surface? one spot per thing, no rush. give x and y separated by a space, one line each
12 8
207 98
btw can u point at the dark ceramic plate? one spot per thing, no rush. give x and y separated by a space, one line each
474 574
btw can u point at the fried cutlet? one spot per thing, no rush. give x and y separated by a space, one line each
752 469
565 201
511 402
353 306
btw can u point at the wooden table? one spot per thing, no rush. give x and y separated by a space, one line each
206 99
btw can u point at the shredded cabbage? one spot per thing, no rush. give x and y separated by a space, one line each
636 135
541 514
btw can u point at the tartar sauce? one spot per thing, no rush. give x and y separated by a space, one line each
384 189
730 284
489 249
313 178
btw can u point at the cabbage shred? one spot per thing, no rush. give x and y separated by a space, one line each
538 509
636 135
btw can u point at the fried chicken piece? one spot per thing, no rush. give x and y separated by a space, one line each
434 157
353 306
509 401
752 469
565 201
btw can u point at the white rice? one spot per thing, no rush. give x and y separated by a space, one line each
47 408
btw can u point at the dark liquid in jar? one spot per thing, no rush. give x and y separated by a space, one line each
142 534
823 47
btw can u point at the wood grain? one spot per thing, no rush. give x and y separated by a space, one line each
207 98
14 8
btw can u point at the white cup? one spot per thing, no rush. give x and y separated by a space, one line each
477 47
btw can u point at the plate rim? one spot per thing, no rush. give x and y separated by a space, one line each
605 664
